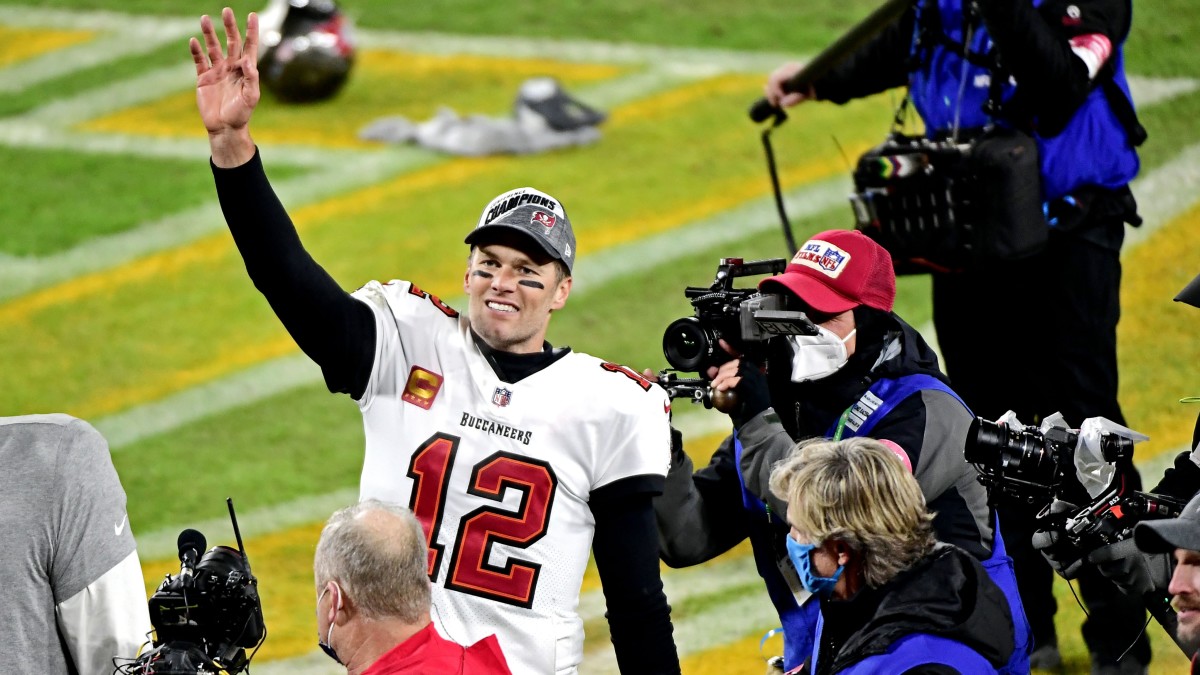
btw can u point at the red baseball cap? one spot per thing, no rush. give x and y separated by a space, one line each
838 270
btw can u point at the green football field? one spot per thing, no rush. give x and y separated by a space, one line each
123 300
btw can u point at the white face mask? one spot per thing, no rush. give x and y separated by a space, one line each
817 356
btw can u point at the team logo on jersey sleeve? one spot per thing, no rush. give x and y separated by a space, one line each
501 397
423 386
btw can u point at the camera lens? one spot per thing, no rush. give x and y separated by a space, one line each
984 438
687 344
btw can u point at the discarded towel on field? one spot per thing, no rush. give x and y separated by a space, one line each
545 117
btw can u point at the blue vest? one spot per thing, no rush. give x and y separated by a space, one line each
1069 160
917 649
800 622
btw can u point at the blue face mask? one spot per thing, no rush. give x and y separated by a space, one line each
800 555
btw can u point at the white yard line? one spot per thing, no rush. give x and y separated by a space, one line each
123 35
48 126
22 275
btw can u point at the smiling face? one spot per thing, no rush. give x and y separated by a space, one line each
1185 587
512 294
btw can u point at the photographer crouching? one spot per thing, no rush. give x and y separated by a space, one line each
864 373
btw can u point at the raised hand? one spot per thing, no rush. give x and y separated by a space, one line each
227 86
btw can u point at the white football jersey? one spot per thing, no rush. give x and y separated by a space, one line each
500 473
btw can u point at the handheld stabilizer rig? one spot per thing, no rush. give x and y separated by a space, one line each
1031 466
205 617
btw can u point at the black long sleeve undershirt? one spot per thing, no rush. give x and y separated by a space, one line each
626 551
331 327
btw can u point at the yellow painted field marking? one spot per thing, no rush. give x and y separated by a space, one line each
370 199
741 656
1158 351
383 83
19 44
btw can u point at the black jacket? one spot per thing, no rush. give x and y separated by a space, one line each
947 594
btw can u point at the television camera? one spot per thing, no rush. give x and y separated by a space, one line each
205 617
743 317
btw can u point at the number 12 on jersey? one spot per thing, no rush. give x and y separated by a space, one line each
515 580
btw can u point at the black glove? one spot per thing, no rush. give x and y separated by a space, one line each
753 392
1063 556
1134 572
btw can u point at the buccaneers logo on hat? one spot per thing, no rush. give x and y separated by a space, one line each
542 218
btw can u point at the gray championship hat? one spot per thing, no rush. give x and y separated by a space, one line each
534 213
1190 293
1164 536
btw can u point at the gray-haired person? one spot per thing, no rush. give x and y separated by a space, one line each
373 598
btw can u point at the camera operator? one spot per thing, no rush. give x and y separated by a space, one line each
1053 69
1179 538
893 598
868 373
373 598
1133 568
73 597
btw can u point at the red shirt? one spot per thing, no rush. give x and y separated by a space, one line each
427 653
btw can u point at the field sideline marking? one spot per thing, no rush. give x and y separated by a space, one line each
669 67
121 35
1160 195
1164 194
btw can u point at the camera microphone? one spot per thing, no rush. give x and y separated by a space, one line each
191 544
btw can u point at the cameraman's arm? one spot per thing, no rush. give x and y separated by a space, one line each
764 444
879 65
699 515
1054 52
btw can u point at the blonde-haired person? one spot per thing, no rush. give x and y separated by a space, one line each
892 598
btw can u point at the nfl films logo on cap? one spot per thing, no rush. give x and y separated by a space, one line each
823 257
501 397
